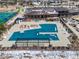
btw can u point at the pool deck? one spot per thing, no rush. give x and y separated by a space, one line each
62 35
13 7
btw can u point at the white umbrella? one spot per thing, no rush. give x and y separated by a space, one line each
77 26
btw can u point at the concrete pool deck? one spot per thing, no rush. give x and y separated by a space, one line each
63 41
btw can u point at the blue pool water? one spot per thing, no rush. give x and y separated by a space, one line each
5 16
34 34
48 28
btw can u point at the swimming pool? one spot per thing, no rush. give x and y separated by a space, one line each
48 28
5 16
34 33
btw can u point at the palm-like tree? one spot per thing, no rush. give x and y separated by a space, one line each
20 1
48 3
6 4
30 3
2 27
2 4
41 3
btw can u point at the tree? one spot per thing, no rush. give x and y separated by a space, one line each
48 3
30 3
2 27
74 37
20 1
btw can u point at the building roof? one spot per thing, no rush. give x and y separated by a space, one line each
72 10
38 11
45 0
60 9
45 10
